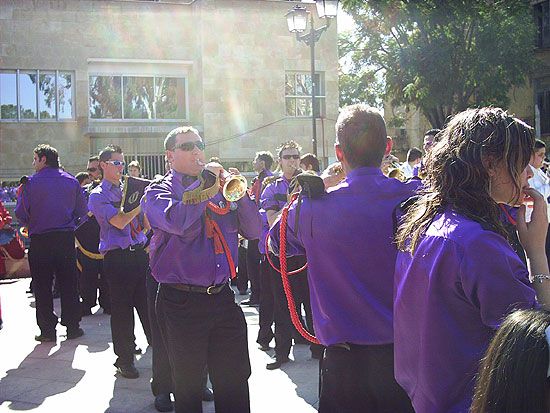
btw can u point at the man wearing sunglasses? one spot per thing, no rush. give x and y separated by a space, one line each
193 254
125 261
274 197
91 277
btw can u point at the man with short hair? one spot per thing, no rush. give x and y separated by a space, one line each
430 139
49 205
193 254
274 197
309 162
134 169
93 168
125 261
414 156
347 235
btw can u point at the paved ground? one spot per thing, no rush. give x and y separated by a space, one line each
78 374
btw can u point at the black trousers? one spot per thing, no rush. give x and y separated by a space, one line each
161 382
361 379
242 270
265 334
126 273
199 330
49 254
91 279
253 258
284 329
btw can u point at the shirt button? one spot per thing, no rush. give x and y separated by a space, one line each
218 265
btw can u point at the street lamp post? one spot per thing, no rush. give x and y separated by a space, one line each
297 23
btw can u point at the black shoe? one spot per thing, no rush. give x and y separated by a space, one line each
250 303
264 347
45 338
163 403
72 334
277 363
137 350
207 395
127 370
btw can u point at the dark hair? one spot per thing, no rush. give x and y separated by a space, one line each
93 159
456 171
361 133
413 154
539 144
310 159
267 157
170 140
82 176
106 153
52 157
513 374
432 132
288 145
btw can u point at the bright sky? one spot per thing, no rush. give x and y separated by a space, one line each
345 21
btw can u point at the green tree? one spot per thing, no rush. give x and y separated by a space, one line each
441 56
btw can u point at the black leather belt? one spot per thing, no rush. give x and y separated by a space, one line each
213 289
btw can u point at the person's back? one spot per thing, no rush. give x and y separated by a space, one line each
348 236
55 194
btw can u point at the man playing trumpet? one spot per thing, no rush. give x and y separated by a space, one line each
193 253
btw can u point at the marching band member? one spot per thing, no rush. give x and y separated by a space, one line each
274 197
193 253
457 276
347 236
125 261
49 204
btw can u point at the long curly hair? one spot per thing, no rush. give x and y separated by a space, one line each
456 171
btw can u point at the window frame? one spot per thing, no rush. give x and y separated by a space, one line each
321 98
37 119
122 75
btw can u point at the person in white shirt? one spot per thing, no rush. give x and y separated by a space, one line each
414 156
540 181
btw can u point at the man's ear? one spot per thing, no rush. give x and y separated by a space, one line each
389 145
169 156
339 152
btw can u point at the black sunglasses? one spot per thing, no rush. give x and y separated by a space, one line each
291 157
189 146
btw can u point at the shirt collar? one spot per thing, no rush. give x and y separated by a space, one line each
365 170
186 180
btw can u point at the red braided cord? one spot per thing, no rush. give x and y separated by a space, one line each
273 264
284 276
222 211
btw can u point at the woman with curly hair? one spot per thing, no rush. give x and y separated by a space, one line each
456 274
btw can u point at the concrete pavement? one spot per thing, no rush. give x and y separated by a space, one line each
78 375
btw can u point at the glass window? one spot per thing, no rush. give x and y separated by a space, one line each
8 95
65 95
298 87
105 97
46 95
138 97
170 98
27 94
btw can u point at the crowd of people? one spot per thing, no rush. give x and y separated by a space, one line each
404 288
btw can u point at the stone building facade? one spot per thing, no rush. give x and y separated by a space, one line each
80 74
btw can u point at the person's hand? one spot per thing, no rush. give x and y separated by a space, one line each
532 235
214 167
234 171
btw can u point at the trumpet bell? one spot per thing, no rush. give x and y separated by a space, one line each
397 174
235 188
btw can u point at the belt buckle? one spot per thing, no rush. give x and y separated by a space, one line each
208 290
132 248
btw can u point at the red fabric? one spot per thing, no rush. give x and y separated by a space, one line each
214 232
5 217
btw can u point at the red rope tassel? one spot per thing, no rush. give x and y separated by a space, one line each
214 232
284 276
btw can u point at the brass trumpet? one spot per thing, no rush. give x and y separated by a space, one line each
395 172
234 188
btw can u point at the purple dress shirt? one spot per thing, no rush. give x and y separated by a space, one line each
450 297
347 235
274 197
180 251
51 200
104 203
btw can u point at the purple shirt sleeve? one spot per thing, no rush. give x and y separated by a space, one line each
168 213
100 205
22 207
81 208
267 199
249 218
294 245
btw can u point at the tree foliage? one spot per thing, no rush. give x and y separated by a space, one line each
441 56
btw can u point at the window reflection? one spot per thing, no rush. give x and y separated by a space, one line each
170 98
27 94
65 95
138 97
8 95
298 87
46 95
105 97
